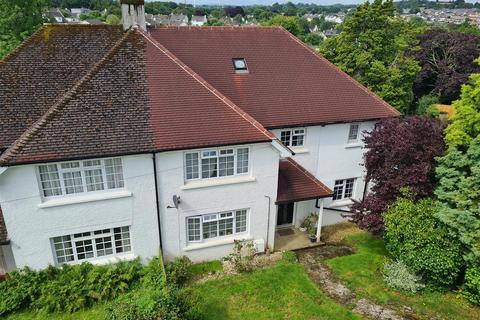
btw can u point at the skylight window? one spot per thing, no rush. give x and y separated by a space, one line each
240 65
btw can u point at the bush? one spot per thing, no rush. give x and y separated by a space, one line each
179 271
414 235
67 288
242 256
396 275
471 288
155 298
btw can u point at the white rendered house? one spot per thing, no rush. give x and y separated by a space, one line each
179 139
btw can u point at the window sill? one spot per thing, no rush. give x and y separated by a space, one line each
300 150
85 198
353 145
214 243
216 182
341 203
108 260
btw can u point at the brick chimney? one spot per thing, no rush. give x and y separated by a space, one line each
133 14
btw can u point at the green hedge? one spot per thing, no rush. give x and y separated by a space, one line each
471 288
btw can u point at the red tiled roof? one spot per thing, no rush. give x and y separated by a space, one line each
295 183
137 98
3 229
288 84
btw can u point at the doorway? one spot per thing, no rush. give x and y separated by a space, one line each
285 214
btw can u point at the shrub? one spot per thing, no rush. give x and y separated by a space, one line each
242 256
67 288
179 271
472 285
397 276
310 223
414 235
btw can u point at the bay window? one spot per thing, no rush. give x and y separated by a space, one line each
80 176
84 246
214 163
216 225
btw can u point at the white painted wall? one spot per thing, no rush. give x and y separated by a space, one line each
31 227
8 263
246 192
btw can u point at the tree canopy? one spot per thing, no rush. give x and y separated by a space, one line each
18 20
401 154
447 59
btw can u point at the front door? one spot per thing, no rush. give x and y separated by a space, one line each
285 214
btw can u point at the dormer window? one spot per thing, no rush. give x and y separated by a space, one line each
240 65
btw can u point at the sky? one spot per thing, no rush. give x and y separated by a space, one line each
269 2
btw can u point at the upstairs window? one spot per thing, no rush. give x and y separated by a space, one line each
343 189
353 133
240 65
293 137
80 176
214 163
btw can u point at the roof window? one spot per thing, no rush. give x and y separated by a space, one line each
240 65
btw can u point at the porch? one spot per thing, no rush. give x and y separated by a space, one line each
299 203
292 239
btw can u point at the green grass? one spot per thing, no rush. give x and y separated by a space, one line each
97 312
280 292
361 272
204 268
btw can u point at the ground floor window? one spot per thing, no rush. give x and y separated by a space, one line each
343 188
216 225
89 245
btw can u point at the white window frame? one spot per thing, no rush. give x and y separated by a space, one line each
201 154
353 127
209 217
342 183
294 132
82 168
91 236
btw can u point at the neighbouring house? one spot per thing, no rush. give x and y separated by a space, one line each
198 21
179 20
55 15
182 139
77 12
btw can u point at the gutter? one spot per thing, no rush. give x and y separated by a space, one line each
5 243
157 201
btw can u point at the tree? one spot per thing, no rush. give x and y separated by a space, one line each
401 154
415 236
18 20
466 125
371 49
113 19
289 23
446 59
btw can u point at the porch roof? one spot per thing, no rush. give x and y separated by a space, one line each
295 183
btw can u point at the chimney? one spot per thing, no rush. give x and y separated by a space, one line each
133 14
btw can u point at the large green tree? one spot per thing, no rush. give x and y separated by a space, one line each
371 49
459 172
18 20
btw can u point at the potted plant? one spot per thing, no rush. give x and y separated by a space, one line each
313 238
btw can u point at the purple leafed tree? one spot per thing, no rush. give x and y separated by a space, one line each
401 153
447 59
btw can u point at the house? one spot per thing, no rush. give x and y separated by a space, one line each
198 21
77 12
55 15
180 20
182 139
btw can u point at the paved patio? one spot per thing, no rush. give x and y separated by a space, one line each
292 241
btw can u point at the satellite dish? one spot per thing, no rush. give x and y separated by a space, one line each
176 201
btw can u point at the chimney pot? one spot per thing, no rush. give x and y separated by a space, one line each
133 14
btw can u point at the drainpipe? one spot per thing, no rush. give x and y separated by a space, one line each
157 199
320 218
268 220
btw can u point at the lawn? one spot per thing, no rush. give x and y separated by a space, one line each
361 272
96 312
283 291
